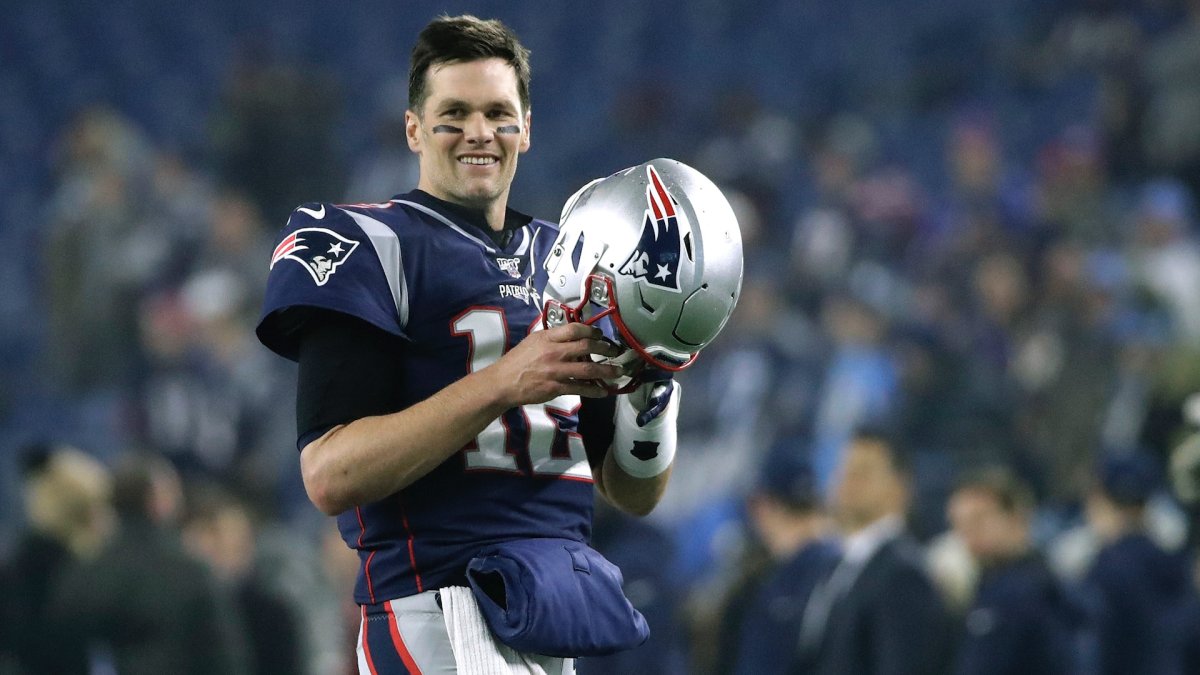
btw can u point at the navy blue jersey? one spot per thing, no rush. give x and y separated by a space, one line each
418 269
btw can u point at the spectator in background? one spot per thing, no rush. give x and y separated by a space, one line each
144 602
219 529
1020 621
207 392
273 133
786 512
1166 254
1170 132
1140 592
878 611
98 253
1066 367
69 517
234 240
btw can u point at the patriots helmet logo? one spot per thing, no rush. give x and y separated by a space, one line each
321 251
656 259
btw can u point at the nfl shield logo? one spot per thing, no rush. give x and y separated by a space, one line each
510 265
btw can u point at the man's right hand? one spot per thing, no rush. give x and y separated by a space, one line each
554 362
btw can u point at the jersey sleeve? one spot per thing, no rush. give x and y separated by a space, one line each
332 259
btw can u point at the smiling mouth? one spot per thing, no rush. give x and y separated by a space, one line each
478 161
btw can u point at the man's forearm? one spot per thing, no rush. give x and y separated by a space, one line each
373 457
635 471
637 496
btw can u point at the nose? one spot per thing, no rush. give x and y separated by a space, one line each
477 130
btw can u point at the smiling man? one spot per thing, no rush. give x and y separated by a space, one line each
439 426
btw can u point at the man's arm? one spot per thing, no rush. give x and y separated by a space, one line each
634 473
637 496
372 457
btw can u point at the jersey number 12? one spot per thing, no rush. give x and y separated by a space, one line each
487 330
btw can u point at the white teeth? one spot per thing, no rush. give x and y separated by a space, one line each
477 160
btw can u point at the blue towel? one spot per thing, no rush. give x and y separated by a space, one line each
556 597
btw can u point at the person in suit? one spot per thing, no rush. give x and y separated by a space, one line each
878 612
1020 621
1140 592
786 513
220 529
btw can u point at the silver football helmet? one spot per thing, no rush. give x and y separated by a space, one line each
655 250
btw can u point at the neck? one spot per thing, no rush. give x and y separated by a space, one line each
790 539
494 210
1012 553
495 213
855 525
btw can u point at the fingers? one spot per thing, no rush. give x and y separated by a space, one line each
588 370
586 388
582 349
572 331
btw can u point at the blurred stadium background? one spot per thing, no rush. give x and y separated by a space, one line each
971 221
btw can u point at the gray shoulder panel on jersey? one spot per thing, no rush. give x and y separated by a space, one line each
524 245
434 214
387 248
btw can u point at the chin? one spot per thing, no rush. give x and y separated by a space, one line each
480 196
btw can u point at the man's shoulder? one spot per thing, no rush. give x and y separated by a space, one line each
899 563
355 219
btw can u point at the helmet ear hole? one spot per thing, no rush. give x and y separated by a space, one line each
577 253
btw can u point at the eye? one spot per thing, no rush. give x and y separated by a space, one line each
453 113
500 114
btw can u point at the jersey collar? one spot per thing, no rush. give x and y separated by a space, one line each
473 220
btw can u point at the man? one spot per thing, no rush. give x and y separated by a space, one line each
785 510
878 612
67 499
144 602
1020 621
436 417
1140 591
219 529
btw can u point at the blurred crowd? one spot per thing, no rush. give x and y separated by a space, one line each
958 395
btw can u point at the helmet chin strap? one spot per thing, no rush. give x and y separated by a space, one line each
627 361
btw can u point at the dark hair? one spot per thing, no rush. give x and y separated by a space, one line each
35 457
133 482
204 501
457 39
1011 493
889 442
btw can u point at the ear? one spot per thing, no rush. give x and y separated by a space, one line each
525 133
412 130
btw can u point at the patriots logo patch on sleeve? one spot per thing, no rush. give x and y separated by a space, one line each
321 251
656 258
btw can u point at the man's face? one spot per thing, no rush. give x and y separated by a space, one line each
986 530
869 487
469 132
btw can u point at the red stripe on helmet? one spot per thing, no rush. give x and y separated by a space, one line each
662 193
